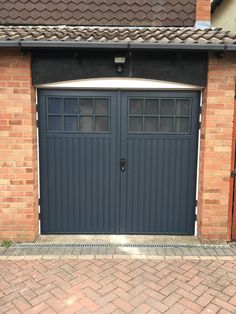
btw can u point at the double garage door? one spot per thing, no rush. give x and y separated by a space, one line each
118 162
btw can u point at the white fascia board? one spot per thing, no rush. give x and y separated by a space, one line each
119 83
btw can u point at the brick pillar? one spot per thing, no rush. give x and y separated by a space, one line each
203 13
215 149
18 149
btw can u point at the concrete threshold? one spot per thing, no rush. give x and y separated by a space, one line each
117 239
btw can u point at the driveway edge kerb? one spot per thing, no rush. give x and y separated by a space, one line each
115 257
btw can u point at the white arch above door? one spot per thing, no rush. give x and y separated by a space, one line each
119 83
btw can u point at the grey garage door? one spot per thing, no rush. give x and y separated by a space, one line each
118 162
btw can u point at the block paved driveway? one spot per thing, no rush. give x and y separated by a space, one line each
117 286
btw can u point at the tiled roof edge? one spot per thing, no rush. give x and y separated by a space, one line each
188 38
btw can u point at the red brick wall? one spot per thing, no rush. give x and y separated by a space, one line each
203 10
18 149
215 150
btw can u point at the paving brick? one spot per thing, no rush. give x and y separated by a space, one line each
230 290
157 305
107 298
204 299
67 286
211 308
142 309
37 309
86 257
21 304
101 257
123 305
176 309
191 305
56 304
233 300
33 257
172 299
224 305
89 304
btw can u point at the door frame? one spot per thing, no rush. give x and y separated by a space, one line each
232 198
118 85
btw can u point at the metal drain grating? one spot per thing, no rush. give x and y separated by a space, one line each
116 245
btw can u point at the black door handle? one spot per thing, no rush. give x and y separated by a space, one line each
122 164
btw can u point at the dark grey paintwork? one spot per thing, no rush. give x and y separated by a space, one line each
84 191
174 66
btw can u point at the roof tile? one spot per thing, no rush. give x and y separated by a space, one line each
98 12
157 35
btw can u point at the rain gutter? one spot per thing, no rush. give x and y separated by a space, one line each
118 45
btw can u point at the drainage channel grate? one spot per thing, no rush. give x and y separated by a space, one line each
121 245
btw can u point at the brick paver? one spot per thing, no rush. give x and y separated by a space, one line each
117 286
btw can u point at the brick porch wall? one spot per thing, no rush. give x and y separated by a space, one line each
18 149
215 150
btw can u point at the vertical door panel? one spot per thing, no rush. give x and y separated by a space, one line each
158 186
77 167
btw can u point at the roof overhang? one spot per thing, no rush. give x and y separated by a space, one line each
117 45
107 37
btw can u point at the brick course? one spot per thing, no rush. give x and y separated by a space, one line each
203 10
215 149
18 149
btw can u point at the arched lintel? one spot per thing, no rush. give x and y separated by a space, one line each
119 83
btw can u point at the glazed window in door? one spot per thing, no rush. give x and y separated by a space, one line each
159 115
118 162
78 114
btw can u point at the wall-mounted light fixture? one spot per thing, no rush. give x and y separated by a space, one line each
119 63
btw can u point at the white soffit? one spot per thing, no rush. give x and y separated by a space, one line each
119 83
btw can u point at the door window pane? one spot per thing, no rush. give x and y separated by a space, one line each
135 124
54 105
70 106
151 124
167 107
102 124
182 125
71 123
166 125
151 107
86 106
183 107
101 106
86 124
54 123
136 107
